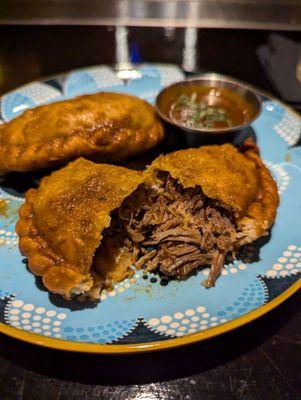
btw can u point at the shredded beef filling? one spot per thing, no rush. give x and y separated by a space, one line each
175 230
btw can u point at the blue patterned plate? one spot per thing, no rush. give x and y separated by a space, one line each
144 313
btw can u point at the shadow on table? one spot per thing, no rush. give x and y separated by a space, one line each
151 367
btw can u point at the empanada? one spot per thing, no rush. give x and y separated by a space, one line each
62 222
111 125
87 224
211 201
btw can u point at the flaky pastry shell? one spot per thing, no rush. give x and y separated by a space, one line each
237 179
112 126
61 222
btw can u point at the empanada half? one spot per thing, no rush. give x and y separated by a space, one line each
61 225
214 200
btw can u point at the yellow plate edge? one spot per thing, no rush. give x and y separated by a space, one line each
66 345
81 347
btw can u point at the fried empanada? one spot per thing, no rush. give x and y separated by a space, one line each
111 125
237 180
188 209
61 225
217 199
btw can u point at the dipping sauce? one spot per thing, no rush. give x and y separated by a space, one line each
198 107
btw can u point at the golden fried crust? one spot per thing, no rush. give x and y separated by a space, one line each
223 173
261 212
61 222
239 181
112 125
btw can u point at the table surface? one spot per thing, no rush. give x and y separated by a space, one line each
258 361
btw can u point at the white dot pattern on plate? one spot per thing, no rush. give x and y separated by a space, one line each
36 319
186 322
288 264
102 76
246 255
289 128
280 175
38 92
8 237
121 286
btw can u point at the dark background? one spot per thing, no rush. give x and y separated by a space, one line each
258 361
29 52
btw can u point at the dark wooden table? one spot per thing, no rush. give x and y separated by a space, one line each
259 361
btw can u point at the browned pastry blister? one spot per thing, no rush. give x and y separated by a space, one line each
112 126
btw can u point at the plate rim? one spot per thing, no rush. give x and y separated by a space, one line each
62 74
118 349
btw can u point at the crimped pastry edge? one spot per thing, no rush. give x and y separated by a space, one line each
42 260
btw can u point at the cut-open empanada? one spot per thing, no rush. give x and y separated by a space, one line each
87 224
208 203
62 222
